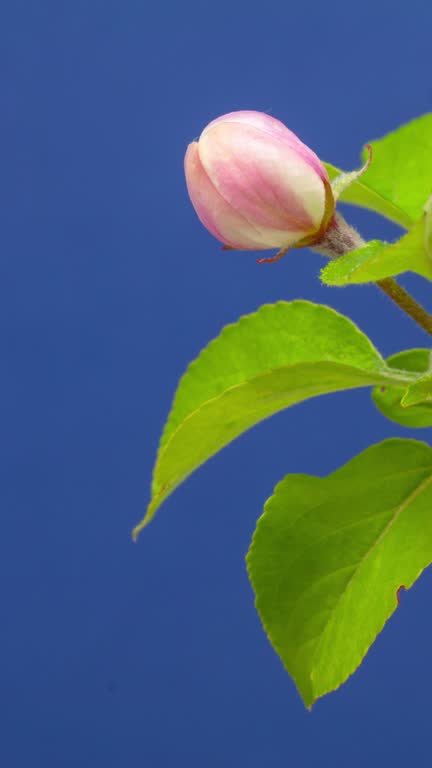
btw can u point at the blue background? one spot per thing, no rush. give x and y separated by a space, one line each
115 654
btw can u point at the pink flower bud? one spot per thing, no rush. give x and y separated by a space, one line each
255 185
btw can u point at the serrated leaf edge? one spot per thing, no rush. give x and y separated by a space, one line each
402 506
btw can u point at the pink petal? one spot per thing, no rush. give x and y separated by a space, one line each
269 181
274 127
214 212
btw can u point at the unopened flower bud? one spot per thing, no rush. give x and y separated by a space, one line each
256 186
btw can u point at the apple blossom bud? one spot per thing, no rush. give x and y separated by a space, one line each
255 185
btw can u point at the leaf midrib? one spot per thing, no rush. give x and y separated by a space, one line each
312 510
408 500
386 373
404 219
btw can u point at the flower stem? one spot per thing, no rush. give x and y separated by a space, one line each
405 301
340 239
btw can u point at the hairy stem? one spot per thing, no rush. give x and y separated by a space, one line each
405 301
341 238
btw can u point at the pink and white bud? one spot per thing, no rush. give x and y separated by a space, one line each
255 185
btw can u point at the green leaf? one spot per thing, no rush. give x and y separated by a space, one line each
329 555
359 193
401 170
378 260
419 392
345 269
428 229
274 358
393 401
399 179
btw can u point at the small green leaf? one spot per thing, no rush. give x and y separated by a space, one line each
399 179
393 401
419 392
329 556
378 260
279 356
344 269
